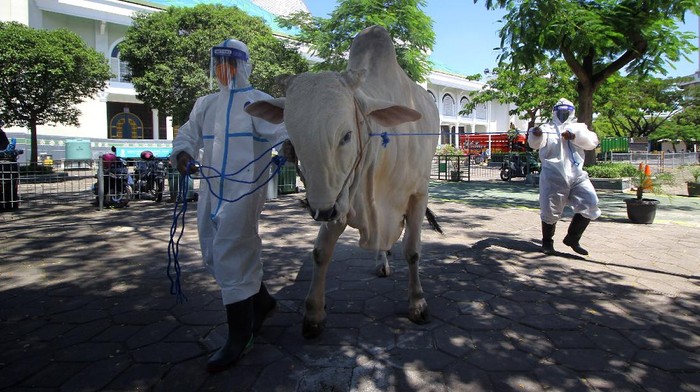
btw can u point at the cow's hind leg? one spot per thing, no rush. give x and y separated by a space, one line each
315 313
417 306
381 264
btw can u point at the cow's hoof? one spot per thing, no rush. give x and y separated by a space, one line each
383 271
311 330
419 317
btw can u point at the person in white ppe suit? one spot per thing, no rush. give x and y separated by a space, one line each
228 207
561 144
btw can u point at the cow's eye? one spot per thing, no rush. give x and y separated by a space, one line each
346 138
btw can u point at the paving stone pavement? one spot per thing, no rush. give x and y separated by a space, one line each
85 303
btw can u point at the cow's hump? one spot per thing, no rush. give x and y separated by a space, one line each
372 49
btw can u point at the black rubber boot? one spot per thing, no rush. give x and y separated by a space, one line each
240 336
576 228
264 307
547 238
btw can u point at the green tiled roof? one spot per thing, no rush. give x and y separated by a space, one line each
438 66
245 6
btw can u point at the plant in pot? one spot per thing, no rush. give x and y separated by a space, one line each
694 186
640 209
452 156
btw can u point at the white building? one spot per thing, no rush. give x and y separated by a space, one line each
116 117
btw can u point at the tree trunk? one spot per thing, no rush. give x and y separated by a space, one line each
584 113
33 158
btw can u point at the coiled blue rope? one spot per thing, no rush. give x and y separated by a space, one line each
174 245
180 208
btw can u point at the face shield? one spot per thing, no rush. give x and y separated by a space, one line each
229 65
563 111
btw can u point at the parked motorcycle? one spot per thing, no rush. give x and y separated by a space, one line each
11 152
117 182
9 176
150 176
516 165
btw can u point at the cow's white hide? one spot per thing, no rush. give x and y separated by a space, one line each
334 121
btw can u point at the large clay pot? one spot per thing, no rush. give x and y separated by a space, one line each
693 189
641 211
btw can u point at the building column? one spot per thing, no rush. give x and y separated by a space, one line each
154 117
169 128
488 117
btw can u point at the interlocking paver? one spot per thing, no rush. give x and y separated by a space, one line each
85 303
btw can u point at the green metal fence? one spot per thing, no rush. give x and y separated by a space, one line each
615 144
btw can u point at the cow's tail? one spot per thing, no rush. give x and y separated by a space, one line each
433 220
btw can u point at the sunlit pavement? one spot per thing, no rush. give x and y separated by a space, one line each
85 302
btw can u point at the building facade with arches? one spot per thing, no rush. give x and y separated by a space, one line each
451 92
116 115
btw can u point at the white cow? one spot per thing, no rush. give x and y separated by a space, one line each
334 121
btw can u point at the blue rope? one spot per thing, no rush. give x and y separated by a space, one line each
173 245
278 160
571 151
385 136
386 140
568 144
179 213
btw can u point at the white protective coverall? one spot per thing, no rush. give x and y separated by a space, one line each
562 178
230 139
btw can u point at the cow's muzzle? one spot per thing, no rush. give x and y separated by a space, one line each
330 214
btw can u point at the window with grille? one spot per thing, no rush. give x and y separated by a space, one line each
462 103
481 111
448 105
120 68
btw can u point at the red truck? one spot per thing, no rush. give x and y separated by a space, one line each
477 143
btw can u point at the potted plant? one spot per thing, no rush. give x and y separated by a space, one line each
451 155
639 209
694 186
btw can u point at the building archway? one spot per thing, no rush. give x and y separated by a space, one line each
448 105
119 67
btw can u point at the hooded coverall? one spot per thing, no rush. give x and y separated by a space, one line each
230 139
562 178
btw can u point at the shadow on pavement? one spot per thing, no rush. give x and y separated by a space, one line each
85 305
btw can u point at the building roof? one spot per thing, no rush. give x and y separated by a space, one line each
282 7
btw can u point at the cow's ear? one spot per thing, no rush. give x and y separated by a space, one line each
271 110
353 78
387 114
394 115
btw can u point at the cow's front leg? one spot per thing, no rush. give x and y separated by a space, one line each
315 313
381 264
417 306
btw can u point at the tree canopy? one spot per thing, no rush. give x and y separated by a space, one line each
44 75
595 38
330 38
534 91
169 54
638 106
685 124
